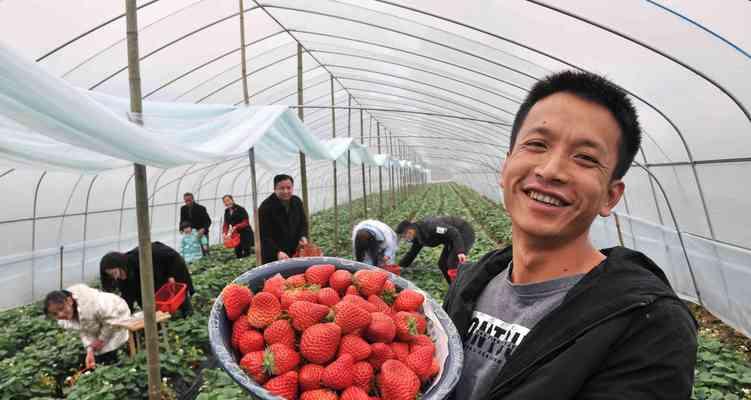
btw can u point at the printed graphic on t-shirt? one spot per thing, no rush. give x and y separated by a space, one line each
441 230
492 338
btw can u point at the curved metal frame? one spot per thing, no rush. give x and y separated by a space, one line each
85 227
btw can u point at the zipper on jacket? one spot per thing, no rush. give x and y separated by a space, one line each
566 343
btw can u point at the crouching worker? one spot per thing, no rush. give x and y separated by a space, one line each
374 243
122 271
455 234
90 312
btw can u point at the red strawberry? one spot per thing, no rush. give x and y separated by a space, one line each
351 316
393 268
435 368
389 287
340 280
252 364
275 285
409 325
381 305
320 342
283 386
290 296
363 375
408 300
310 377
319 394
381 328
420 341
380 353
338 375
306 314
397 382
319 274
356 346
352 291
280 359
296 281
280 331
421 360
264 309
236 299
370 282
251 341
401 350
328 297
360 302
389 292
238 330
354 393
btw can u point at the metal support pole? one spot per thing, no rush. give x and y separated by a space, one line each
380 174
364 182
618 228
251 151
336 188
142 212
62 265
300 114
349 160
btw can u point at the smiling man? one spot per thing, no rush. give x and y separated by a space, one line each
552 317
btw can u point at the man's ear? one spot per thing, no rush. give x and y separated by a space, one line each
503 169
615 192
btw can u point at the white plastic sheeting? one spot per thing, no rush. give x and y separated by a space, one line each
440 81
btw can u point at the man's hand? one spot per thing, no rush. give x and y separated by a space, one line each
303 241
97 344
282 255
90 360
462 258
171 280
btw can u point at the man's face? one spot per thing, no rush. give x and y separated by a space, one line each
556 179
188 200
62 311
284 190
409 234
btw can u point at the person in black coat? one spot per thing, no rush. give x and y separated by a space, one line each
197 215
283 223
122 271
455 234
236 221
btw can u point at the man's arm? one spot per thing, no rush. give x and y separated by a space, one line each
206 219
411 254
304 219
654 359
266 222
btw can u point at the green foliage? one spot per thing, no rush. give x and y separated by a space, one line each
721 372
219 386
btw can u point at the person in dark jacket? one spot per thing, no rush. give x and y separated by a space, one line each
283 222
455 234
553 317
122 271
197 216
237 222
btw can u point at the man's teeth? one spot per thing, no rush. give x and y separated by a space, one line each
545 199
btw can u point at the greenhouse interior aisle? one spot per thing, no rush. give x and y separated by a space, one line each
37 357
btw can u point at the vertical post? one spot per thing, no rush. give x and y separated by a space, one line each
392 171
336 188
301 115
618 227
251 151
142 212
62 249
364 182
380 174
349 159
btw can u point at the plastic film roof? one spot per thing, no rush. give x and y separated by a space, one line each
441 81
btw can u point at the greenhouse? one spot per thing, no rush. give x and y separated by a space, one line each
391 110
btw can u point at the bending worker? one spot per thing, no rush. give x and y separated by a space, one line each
374 243
455 234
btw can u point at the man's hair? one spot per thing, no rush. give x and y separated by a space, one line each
111 260
55 297
598 90
188 194
403 226
228 196
185 224
282 178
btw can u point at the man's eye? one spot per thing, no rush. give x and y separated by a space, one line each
535 144
588 159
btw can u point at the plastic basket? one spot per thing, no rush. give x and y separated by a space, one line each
452 273
440 328
170 297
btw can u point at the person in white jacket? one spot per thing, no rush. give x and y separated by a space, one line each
91 312
374 243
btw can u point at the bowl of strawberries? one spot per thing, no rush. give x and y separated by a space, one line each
330 328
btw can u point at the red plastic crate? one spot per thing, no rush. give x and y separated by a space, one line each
170 297
452 273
